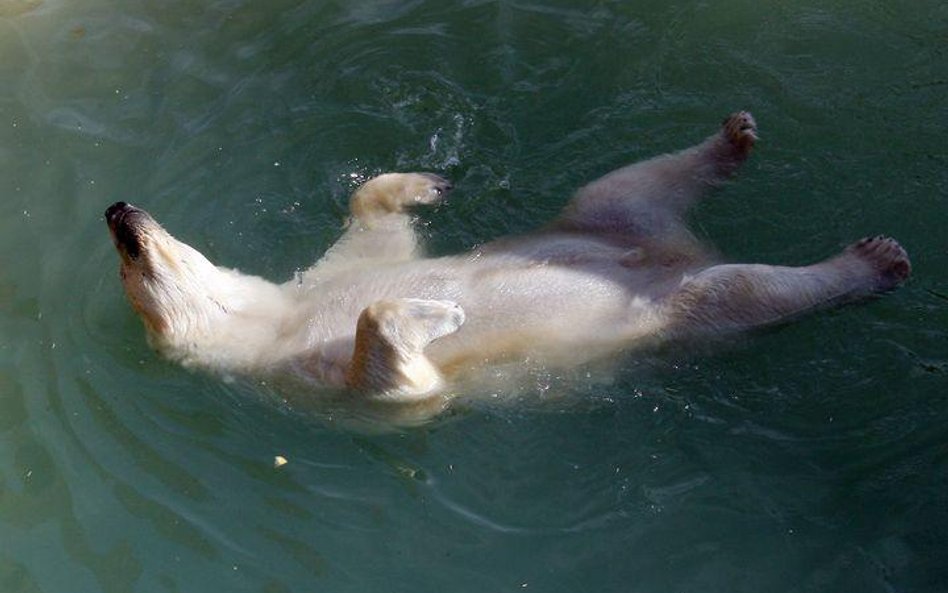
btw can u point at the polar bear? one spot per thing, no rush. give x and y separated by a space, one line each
617 268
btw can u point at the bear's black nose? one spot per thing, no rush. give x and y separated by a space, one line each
119 213
115 209
125 222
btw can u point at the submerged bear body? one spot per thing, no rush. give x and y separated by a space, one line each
618 267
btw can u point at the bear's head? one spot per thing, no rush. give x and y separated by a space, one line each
177 292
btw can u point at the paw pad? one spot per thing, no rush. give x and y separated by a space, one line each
741 130
439 185
887 258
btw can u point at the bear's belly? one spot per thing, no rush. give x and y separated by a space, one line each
537 297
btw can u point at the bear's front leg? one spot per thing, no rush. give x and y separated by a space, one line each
388 361
381 230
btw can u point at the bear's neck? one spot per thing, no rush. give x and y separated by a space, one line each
241 324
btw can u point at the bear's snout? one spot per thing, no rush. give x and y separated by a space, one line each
122 218
117 211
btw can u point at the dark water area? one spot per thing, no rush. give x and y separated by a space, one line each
808 458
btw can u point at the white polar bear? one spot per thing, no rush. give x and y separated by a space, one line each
618 267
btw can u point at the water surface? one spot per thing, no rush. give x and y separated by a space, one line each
809 458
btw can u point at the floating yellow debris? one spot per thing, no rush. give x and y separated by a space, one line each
279 461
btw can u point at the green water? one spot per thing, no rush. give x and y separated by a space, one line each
809 458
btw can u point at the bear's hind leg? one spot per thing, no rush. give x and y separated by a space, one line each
388 361
650 197
742 296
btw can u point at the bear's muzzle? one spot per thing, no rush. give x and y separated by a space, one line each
125 223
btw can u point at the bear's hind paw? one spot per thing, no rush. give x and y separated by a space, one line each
740 130
887 259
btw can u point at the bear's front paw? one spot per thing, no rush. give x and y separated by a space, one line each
888 260
397 192
434 190
740 130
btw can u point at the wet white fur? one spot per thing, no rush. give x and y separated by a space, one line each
617 268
